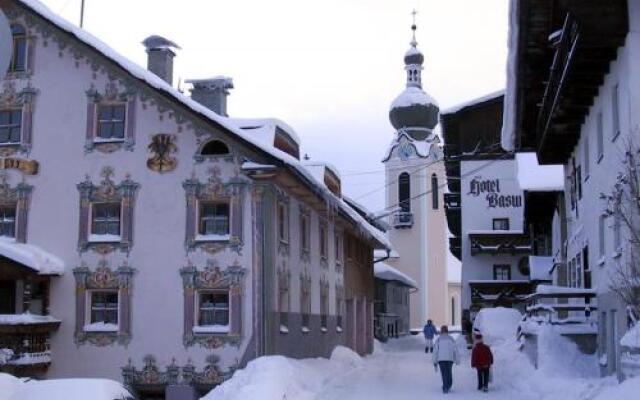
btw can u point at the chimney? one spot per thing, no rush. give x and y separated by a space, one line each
212 93
160 56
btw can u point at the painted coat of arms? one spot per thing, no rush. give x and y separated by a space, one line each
162 146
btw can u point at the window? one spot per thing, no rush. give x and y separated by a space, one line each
338 248
404 192
617 237
339 312
501 272
434 191
601 232
214 148
283 223
615 111
579 181
324 253
10 126
324 307
586 161
586 268
104 307
501 224
579 270
600 137
305 231
8 221
213 308
111 121
105 219
19 56
214 219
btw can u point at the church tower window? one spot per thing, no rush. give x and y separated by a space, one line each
404 192
434 191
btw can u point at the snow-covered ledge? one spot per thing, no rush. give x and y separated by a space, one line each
27 319
106 238
101 327
31 256
213 238
211 329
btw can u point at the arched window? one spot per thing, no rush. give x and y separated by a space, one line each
19 57
215 148
404 192
434 191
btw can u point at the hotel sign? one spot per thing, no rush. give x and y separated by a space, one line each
490 189
29 167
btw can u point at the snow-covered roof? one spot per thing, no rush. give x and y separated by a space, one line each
379 254
32 256
412 51
473 102
508 136
540 268
157 83
26 319
387 273
322 165
412 96
423 148
534 177
267 124
494 232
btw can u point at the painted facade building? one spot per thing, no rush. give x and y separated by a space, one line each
414 183
164 242
582 87
392 306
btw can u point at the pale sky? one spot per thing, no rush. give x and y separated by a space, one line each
329 68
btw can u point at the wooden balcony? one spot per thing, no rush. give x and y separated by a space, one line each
499 242
402 220
24 341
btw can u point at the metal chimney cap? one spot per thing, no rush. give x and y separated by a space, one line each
157 42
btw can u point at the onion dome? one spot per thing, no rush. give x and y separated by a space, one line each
414 111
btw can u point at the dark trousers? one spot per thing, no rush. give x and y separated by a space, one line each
445 371
483 378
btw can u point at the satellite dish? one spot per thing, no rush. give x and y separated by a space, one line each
6 44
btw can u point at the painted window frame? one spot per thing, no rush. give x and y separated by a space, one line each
212 278
111 96
201 234
103 278
29 53
23 101
90 306
198 302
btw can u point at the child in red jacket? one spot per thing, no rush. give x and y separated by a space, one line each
481 359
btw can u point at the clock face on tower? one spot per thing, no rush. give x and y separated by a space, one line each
405 151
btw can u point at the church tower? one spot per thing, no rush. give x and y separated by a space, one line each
414 183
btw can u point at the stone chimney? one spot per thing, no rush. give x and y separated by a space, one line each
212 93
160 56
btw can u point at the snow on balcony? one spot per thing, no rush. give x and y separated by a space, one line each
26 319
31 256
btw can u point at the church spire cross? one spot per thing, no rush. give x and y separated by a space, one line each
414 43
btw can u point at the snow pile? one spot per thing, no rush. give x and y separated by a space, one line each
70 389
628 389
386 272
631 339
560 357
9 384
497 325
32 256
474 102
278 377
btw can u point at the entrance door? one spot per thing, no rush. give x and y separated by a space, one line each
7 297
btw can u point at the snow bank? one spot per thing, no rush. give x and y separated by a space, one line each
68 389
560 357
631 339
628 389
278 377
497 325
9 384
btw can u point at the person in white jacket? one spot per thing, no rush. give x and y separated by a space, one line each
445 353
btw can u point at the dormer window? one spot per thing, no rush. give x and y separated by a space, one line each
215 148
111 122
19 56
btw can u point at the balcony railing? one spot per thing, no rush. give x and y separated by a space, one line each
25 344
403 219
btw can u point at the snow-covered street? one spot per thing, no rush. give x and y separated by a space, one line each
400 370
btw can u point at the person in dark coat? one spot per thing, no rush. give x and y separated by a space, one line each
430 333
481 360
